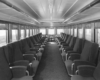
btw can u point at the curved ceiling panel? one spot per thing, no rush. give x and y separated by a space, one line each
51 11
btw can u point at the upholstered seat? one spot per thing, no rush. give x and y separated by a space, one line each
86 55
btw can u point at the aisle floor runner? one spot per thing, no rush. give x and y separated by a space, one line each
51 66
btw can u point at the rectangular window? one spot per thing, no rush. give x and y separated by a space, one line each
71 31
30 32
80 33
3 34
88 34
98 36
75 32
59 31
33 31
14 35
43 31
22 34
51 31
27 32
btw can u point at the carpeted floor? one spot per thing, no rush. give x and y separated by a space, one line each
51 66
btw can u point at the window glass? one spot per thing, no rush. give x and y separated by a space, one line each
3 37
22 34
33 31
43 31
30 32
71 31
75 32
51 31
27 32
88 34
80 33
98 36
59 31
14 35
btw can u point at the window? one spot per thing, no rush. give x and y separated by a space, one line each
27 32
80 33
30 32
3 37
51 31
43 31
75 32
98 36
33 31
88 34
14 35
59 31
71 31
22 34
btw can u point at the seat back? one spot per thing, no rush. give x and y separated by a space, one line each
5 72
72 42
78 45
10 52
93 53
66 37
96 73
86 50
18 55
68 40
25 46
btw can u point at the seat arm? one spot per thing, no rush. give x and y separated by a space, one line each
77 63
21 63
19 71
37 44
30 57
33 49
71 52
67 48
74 56
86 70
30 52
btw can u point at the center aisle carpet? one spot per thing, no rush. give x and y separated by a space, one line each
51 66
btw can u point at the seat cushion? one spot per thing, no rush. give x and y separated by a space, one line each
35 65
97 72
68 63
78 77
24 78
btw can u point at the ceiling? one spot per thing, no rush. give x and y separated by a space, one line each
48 12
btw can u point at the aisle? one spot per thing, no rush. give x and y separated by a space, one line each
51 66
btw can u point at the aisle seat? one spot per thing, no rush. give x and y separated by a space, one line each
13 73
87 55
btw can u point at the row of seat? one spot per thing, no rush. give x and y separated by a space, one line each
81 57
19 60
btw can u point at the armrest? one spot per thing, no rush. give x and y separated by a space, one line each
68 48
71 52
77 63
40 49
30 52
86 70
34 49
21 63
74 56
37 44
65 44
29 57
18 71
